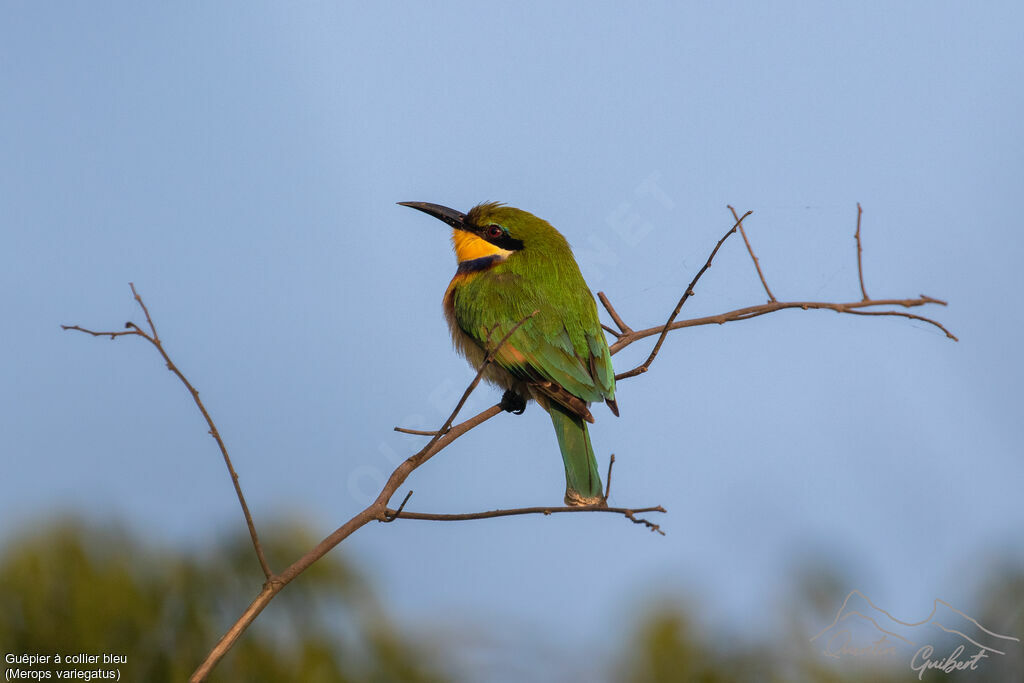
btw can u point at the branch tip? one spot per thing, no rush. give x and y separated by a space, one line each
417 432
750 250
608 479
623 327
860 268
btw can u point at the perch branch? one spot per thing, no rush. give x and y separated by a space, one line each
379 511
626 512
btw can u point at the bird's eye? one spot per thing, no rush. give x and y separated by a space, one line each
495 231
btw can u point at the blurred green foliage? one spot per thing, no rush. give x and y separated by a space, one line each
671 646
72 588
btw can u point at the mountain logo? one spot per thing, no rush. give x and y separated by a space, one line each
947 639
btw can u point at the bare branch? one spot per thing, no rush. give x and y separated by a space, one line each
154 339
627 512
149 320
762 309
647 523
112 335
901 314
860 268
614 314
628 335
757 264
390 516
417 432
378 510
608 479
643 367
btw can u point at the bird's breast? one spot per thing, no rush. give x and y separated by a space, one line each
464 344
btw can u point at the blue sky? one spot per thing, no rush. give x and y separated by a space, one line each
240 163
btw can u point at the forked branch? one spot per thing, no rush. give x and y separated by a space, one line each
626 335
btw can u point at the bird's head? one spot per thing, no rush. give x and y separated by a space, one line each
494 231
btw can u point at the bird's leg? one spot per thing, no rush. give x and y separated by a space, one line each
512 402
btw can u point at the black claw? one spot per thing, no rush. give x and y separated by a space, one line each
513 403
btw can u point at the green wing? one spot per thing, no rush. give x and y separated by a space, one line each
562 343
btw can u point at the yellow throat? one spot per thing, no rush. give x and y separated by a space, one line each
469 247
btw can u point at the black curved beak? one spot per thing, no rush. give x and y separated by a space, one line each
454 218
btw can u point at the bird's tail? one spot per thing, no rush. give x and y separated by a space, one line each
582 480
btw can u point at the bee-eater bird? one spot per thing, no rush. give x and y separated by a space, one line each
512 263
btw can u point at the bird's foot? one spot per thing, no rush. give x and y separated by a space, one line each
512 402
575 499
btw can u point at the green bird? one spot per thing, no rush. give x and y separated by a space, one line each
510 264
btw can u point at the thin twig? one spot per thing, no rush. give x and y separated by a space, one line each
392 516
860 268
112 335
142 305
901 314
643 367
613 313
608 479
647 523
757 264
154 339
417 432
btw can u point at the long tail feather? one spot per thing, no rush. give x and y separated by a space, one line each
582 479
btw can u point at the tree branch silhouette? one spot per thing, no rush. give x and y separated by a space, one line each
449 431
626 335
153 338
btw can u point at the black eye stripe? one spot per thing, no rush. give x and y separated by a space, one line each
496 235
506 242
